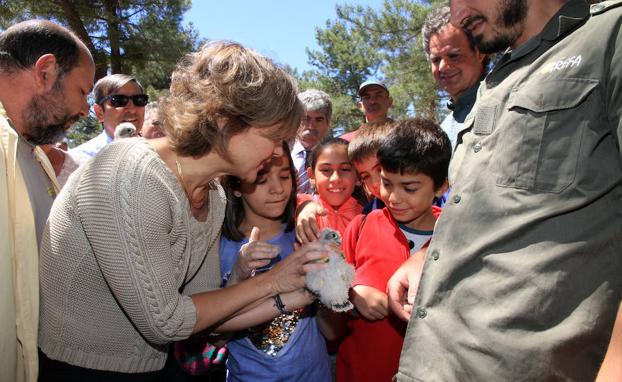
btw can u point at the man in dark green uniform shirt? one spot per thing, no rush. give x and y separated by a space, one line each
522 279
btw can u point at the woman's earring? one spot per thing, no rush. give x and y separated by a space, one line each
237 194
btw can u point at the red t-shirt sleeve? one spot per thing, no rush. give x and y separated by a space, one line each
380 250
350 239
358 255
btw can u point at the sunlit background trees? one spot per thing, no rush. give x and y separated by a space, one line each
147 37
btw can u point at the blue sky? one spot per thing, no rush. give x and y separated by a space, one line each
279 29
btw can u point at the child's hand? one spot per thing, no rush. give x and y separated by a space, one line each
370 302
255 254
307 229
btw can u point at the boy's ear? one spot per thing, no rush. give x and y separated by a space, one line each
442 189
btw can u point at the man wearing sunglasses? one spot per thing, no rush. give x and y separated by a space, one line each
118 98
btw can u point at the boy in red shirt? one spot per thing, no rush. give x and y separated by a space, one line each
414 159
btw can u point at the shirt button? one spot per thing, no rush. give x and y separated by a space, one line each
477 147
435 255
421 313
457 199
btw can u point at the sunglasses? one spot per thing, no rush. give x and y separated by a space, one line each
120 100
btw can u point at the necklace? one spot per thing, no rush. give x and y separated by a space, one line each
198 204
181 179
181 174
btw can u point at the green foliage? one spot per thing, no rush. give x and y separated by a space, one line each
141 37
364 42
346 115
145 38
346 56
345 60
83 130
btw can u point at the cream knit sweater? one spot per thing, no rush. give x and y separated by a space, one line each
121 253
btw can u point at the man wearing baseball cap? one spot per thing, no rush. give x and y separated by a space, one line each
374 102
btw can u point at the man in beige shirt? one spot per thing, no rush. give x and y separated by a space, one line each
46 74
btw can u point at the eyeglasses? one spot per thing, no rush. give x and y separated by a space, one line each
121 100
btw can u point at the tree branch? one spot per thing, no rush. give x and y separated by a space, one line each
76 24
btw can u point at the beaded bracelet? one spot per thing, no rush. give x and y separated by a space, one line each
278 303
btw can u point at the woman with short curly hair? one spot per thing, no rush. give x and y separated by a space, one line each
131 246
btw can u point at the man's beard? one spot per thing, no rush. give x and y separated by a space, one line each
512 14
46 119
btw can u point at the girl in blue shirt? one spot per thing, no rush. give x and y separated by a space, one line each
257 233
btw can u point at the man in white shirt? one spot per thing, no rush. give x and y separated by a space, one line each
118 98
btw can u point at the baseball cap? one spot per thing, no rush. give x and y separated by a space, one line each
371 83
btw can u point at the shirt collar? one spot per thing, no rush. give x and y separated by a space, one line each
350 206
109 139
297 148
572 14
465 99
4 115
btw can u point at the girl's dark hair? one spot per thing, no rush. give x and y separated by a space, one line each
320 147
234 213
358 193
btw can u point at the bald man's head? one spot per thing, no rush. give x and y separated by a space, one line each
23 44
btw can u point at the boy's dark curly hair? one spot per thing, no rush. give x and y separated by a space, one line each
416 145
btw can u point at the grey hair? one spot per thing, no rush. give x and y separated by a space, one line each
316 100
434 23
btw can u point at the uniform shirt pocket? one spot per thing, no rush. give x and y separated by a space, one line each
542 132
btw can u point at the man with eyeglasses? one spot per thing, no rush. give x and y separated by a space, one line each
118 98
